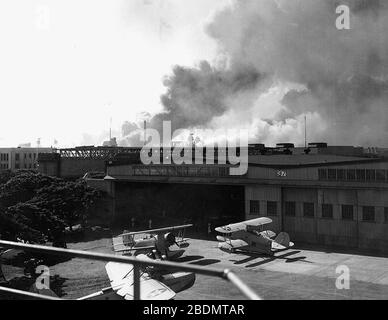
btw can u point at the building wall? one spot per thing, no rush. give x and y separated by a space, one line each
266 187
335 231
306 173
20 158
73 167
49 168
263 194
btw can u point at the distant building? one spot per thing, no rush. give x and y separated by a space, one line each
21 158
110 143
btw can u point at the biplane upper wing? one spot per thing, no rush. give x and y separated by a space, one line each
158 231
243 226
121 277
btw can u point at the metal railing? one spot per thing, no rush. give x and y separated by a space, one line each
137 264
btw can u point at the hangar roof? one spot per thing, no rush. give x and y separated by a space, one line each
307 160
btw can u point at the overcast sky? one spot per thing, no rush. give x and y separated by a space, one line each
66 67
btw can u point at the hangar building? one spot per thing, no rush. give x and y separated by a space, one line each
330 196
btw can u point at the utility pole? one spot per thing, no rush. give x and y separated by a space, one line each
145 132
110 129
305 132
37 152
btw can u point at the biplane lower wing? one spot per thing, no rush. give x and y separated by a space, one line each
121 277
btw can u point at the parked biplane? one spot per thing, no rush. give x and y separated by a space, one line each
155 284
161 240
250 236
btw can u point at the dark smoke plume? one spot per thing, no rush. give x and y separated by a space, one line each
338 77
196 95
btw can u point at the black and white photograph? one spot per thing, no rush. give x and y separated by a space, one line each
207 152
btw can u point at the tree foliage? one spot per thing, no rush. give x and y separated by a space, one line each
37 208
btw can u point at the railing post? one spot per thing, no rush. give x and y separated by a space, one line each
226 274
248 292
136 282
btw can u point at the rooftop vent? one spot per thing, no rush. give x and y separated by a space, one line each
318 145
285 145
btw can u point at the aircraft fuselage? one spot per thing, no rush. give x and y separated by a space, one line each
255 242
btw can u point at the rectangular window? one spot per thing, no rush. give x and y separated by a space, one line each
368 214
360 175
386 215
370 175
327 211
341 174
308 209
255 207
224 171
17 156
290 209
351 174
272 208
347 212
380 175
332 174
322 174
17 166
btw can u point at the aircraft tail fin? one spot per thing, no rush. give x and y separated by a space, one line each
283 239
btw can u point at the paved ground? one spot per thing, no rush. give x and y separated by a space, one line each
293 274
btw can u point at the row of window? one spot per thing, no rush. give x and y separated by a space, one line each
4 156
272 208
361 175
182 171
26 155
347 211
3 166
